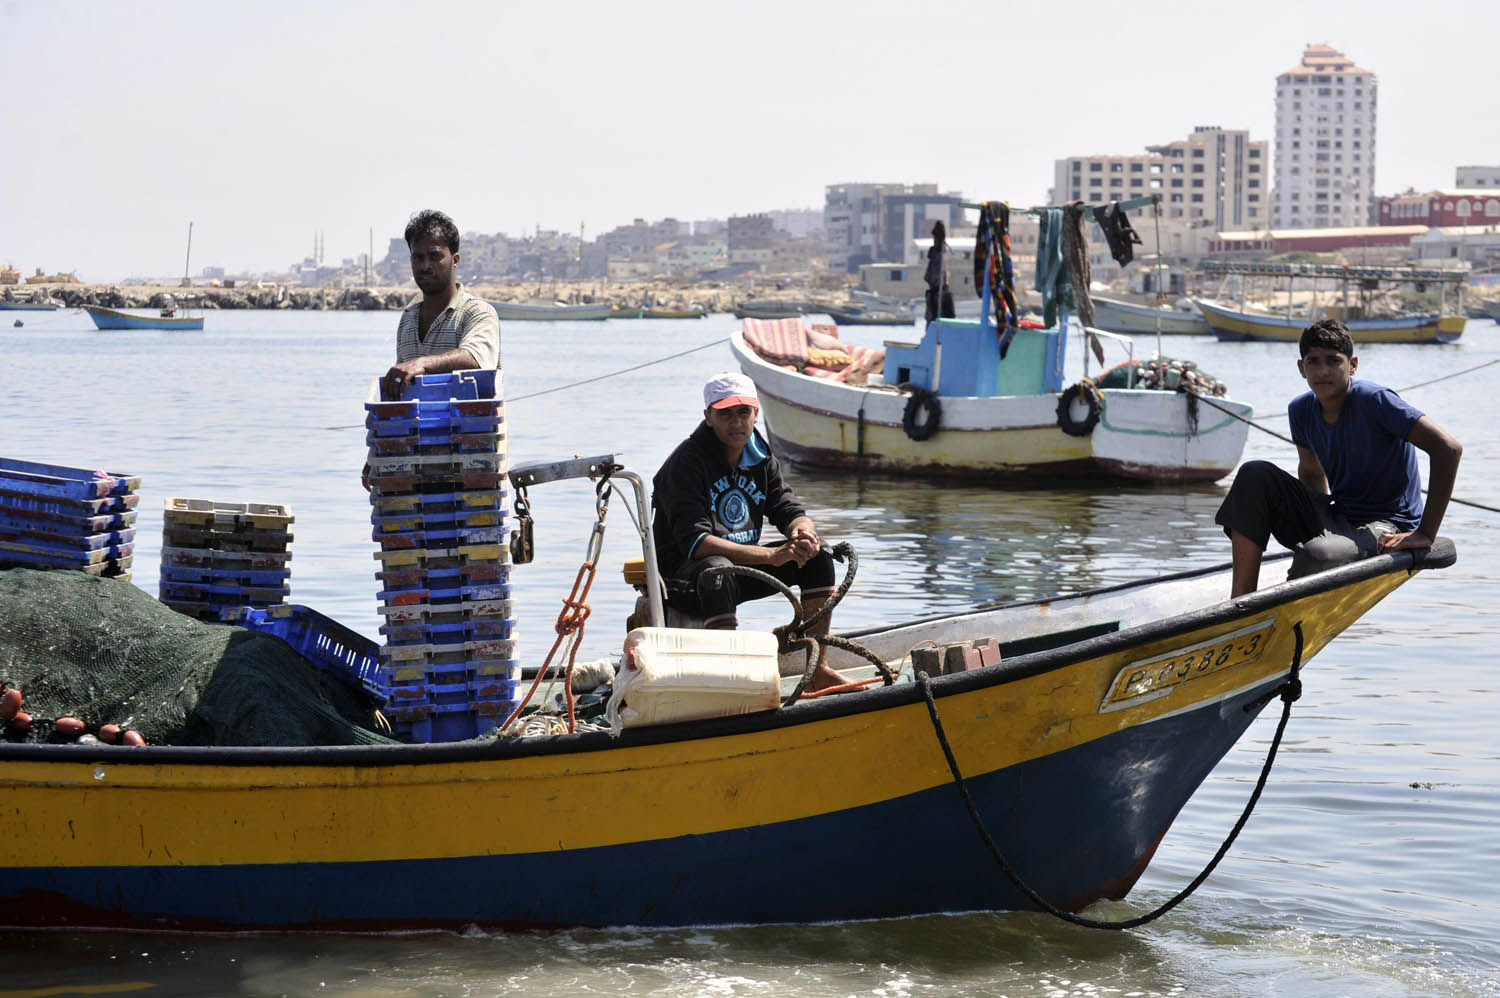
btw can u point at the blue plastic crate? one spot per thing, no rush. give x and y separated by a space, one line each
227 576
46 534
440 502
209 593
398 425
466 632
13 546
447 597
472 671
471 383
429 519
75 522
434 441
229 560
417 483
439 538
434 726
53 560
325 643
25 502
60 481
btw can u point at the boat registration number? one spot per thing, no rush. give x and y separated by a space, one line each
1148 679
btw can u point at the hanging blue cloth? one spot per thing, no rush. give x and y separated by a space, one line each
1051 274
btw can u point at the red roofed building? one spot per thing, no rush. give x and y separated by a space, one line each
1442 207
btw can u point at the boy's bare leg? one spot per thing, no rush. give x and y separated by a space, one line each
1245 557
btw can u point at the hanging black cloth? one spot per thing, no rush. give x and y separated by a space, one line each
939 297
1117 231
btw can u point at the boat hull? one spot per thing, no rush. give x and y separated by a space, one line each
1079 751
26 306
1140 436
519 312
109 318
870 318
1128 317
1230 324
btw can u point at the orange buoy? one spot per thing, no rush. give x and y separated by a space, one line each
69 727
21 723
10 703
109 734
133 737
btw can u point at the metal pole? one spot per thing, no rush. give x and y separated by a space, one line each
1160 289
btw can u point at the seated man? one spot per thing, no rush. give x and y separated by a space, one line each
710 498
1358 490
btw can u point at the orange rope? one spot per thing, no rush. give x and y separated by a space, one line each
858 684
572 617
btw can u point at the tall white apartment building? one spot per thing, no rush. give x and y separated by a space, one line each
1325 142
1216 178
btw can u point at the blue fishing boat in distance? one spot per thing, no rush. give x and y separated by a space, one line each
113 318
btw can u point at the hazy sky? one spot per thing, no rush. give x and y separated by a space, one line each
265 122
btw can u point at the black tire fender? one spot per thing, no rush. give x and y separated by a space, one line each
923 414
1085 392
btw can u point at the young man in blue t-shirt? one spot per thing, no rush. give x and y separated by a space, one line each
1358 490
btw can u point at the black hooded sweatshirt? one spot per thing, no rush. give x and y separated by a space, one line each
696 493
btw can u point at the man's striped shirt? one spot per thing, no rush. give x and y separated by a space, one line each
467 322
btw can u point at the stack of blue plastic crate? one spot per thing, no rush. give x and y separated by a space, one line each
70 518
217 557
438 505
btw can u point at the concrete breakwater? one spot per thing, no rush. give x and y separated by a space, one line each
272 297
712 296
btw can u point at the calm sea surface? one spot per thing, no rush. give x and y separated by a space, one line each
1369 868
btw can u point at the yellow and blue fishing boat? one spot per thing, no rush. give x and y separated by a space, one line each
1244 324
1105 712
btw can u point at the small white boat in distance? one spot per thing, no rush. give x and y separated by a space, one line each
538 309
1136 319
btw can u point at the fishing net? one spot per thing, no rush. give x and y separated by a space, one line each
1162 374
102 650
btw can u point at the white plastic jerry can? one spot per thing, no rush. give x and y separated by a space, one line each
672 674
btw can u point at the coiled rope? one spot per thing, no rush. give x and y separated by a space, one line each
1289 691
793 636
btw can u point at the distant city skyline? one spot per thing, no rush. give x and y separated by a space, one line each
265 123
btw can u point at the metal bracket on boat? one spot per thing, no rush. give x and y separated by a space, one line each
599 468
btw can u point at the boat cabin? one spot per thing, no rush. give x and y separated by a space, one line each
959 357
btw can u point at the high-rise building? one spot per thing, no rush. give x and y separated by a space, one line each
876 223
1325 142
1216 178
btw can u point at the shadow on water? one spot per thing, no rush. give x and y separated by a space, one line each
947 545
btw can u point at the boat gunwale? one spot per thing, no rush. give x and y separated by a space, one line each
739 346
1441 555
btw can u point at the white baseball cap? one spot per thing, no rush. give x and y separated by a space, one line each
728 389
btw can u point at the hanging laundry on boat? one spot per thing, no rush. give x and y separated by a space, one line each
993 270
1117 231
939 297
1076 254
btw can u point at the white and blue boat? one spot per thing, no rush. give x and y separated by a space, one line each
113 318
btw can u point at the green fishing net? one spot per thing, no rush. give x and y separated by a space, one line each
103 651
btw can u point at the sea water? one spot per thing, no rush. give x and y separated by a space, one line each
1368 867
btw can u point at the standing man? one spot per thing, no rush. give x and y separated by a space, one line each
711 497
449 329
